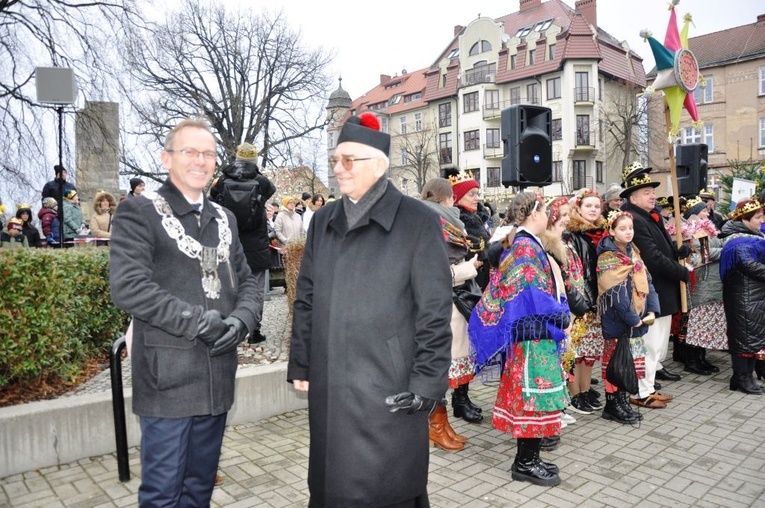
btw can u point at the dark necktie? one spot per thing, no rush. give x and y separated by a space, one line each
196 207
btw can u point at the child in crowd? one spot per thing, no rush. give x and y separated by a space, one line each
627 302
13 237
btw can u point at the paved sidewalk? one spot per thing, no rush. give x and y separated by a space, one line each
704 450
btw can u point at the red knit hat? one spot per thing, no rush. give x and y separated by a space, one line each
461 181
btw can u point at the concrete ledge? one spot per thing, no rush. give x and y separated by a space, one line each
53 432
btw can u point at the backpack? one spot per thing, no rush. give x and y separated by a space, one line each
242 197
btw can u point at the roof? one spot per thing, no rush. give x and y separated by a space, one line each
402 86
575 41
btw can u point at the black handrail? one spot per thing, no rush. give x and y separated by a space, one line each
118 405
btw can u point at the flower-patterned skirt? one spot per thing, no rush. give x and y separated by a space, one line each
531 392
707 326
590 345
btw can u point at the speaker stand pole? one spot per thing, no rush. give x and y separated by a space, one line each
676 198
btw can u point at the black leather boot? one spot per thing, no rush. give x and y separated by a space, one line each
744 382
624 402
547 465
759 369
462 408
528 467
693 361
470 402
706 364
615 411
679 349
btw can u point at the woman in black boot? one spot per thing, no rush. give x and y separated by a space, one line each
742 269
524 313
627 302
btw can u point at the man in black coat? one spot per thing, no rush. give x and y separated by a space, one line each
243 178
371 332
178 267
661 258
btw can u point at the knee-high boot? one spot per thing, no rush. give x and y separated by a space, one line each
439 436
462 407
528 467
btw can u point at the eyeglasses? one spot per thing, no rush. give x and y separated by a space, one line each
348 161
191 153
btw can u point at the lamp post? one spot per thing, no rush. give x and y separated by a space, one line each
57 85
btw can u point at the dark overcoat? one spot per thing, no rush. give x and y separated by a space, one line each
660 257
173 374
371 319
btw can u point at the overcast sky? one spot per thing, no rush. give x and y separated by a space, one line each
385 37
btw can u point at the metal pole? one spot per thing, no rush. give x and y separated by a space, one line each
60 213
118 406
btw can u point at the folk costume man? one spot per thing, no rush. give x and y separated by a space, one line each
178 267
371 332
661 258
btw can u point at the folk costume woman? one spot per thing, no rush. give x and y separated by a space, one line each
585 230
437 195
626 304
474 216
742 270
524 313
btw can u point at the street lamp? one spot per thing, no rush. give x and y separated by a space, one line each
57 85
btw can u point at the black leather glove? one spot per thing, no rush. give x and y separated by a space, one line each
211 327
683 251
411 403
236 333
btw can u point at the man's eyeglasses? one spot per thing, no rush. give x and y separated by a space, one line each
347 161
190 153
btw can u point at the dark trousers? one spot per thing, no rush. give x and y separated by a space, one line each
179 460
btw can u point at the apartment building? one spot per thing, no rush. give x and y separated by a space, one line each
731 106
545 54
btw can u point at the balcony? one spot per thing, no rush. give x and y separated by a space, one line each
492 151
584 95
477 76
584 140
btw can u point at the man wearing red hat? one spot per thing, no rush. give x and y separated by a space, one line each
371 331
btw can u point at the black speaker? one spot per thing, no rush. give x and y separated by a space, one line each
691 162
527 144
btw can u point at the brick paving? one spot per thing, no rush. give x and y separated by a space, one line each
707 449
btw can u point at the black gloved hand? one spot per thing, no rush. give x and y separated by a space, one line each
683 251
411 403
211 327
236 333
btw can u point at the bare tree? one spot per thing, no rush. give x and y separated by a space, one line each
248 74
39 33
420 156
623 117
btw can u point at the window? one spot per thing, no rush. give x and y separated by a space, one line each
472 140
393 100
532 93
600 89
405 185
543 25
762 81
582 84
523 32
404 156
453 53
331 140
493 177
480 47
476 174
384 125
413 97
557 171
580 175
557 129
601 130
709 137
445 114
515 95
532 56
705 94
551 52
553 88
513 57
470 102
492 138
582 130
491 99
417 122
691 135
445 148
402 121
599 171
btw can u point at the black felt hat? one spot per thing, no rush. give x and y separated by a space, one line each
635 177
365 129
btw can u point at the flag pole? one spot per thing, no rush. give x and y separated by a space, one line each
676 198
